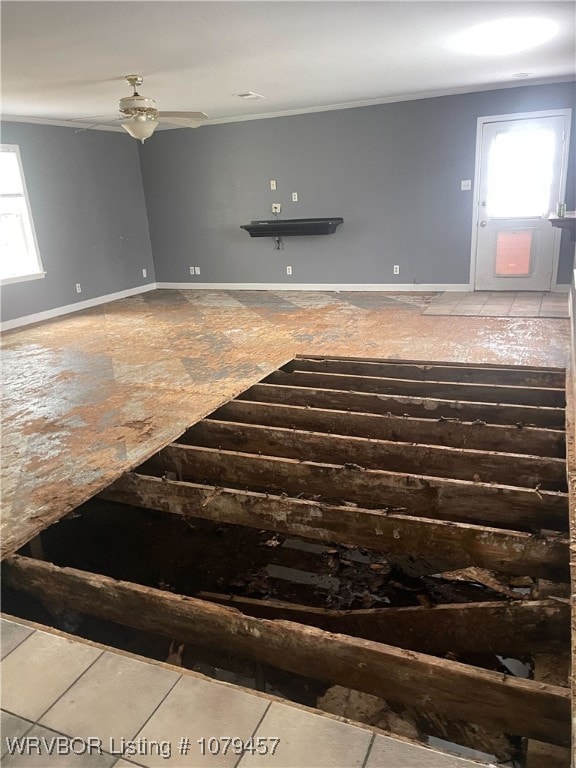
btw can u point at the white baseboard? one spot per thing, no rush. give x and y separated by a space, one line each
389 287
49 314
562 288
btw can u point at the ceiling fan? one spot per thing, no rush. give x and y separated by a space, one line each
140 117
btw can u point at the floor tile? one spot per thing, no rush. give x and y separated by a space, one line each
465 312
522 312
58 758
500 304
308 739
112 700
440 309
393 753
39 670
493 312
198 709
555 305
11 727
125 764
11 635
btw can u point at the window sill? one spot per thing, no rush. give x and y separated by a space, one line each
22 278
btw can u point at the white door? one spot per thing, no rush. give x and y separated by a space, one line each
521 179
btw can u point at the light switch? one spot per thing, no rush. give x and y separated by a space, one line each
272 184
465 185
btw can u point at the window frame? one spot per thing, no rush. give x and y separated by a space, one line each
15 149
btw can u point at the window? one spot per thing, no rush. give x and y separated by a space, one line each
520 171
19 257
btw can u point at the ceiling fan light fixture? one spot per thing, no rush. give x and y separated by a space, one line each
140 127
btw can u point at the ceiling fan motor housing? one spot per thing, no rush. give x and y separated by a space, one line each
138 105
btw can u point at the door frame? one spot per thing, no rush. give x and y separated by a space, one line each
481 122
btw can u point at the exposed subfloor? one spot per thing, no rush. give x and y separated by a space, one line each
90 395
159 715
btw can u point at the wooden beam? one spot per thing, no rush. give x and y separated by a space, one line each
455 544
479 393
438 498
455 434
425 371
554 668
502 627
571 453
438 461
397 405
451 689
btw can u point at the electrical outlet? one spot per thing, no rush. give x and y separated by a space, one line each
294 197
396 269
78 288
465 185
197 270
276 207
273 185
144 273
192 270
288 270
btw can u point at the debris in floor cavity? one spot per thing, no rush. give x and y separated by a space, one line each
365 708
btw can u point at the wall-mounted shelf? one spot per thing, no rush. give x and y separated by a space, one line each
566 222
291 227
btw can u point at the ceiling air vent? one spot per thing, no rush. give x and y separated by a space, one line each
250 95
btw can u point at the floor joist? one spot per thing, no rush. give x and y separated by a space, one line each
513 705
438 498
479 393
456 545
521 627
293 392
439 461
515 375
455 434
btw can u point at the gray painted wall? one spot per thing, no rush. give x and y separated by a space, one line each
392 172
88 208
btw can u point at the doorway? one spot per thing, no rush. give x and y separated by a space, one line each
521 175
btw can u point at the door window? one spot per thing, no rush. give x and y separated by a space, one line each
520 173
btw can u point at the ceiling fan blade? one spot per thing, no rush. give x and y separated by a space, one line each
188 115
95 125
184 119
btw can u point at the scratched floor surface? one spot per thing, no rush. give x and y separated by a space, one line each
90 395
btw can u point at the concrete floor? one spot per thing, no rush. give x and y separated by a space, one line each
90 395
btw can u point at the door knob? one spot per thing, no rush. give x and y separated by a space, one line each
482 223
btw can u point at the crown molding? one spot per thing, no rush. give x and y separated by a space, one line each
311 110
396 99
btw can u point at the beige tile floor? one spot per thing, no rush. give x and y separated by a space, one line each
500 304
59 687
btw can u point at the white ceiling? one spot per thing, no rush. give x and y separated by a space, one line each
63 60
